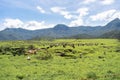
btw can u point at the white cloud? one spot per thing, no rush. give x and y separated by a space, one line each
107 2
104 2
11 23
79 19
88 1
40 9
62 11
83 11
76 22
32 25
106 15
17 23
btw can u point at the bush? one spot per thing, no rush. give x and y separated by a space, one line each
31 47
19 76
44 56
21 50
18 51
110 75
5 49
14 52
91 75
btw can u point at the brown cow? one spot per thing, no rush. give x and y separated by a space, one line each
32 51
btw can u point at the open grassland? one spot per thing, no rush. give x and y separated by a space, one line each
61 59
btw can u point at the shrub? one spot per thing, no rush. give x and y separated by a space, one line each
44 56
31 47
21 50
20 76
5 49
18 51
14 52
2 50
110 75
91 75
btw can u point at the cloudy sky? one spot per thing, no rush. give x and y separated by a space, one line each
38 14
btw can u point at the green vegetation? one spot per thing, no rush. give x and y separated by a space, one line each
61 59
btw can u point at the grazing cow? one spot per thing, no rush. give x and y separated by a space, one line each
100 57
62 54
31 52
47 47
72 45
64 45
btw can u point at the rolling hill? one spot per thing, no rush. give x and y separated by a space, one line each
63 31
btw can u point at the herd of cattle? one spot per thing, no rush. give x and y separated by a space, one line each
64 45
46 47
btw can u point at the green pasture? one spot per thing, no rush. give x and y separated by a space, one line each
89 59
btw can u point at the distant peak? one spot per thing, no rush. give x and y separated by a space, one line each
113 23
116 19
61 27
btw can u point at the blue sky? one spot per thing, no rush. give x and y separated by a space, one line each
39 14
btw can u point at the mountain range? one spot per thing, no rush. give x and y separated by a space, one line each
63 31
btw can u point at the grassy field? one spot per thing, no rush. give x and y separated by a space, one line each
61 59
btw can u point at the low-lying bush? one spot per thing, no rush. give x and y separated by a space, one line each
91 75
43 56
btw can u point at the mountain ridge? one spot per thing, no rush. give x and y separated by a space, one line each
59 31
